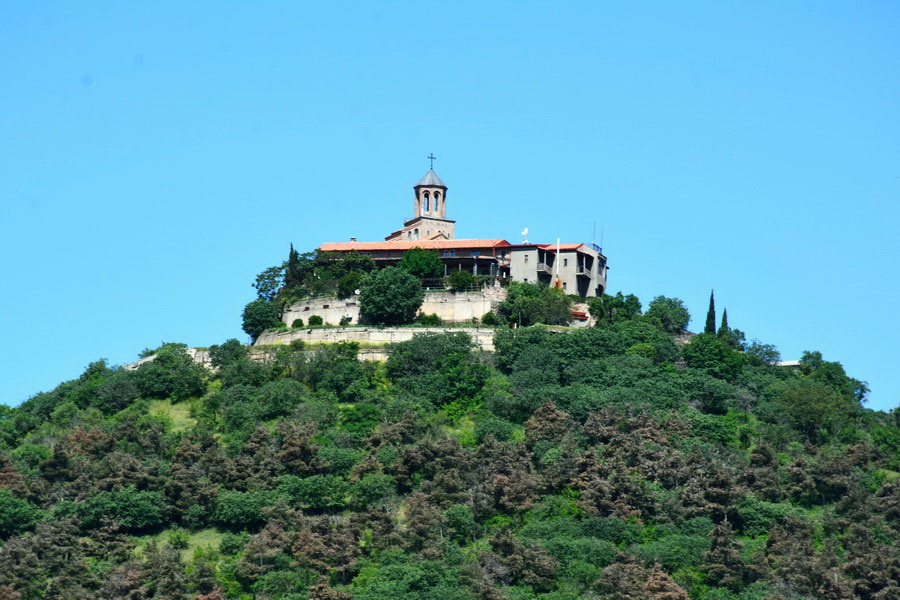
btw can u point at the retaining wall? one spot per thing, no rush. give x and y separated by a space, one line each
482 336
450 307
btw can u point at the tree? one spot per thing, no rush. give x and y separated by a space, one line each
15 515
711 315
269 281
461 280
229 352
527 304
708 352
390 297
293 276
670 313
611 309
422 263
259 315
723 329
172 374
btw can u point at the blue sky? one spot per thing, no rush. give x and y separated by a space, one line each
155 156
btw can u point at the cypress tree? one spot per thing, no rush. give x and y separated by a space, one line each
724 330
711 315
292 275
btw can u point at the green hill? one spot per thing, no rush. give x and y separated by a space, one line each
600 463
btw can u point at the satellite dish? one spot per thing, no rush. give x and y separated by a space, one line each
525 235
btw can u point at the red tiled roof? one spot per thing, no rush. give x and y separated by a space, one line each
551 247
561 246
408 244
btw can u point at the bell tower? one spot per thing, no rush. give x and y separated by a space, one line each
429 221
431 197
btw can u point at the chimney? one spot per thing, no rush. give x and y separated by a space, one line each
352 239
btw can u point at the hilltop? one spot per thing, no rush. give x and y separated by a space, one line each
605 462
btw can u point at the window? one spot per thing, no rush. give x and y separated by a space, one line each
565 262
426 201
526 262
564 285
475 253
449 252
437 196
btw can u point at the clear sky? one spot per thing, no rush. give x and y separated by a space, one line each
154 157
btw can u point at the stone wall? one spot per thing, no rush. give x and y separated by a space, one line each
450 307
482 336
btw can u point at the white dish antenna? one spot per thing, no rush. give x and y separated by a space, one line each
525 236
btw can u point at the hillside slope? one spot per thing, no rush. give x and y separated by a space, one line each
604 463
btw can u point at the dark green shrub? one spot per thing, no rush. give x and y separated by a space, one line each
318 492
461 281
297 323
240 510
490 425
372 488
490 319
315 321
16 515
431 320
134 510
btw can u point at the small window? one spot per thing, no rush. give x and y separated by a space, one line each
526 262
564 285
426 201
475 253
565 262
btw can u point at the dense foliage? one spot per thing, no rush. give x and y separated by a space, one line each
390 296
608 463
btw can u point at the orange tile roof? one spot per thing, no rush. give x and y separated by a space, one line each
408 244
561 246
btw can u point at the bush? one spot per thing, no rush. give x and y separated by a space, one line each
490 319
345 321
240 510
319 492
15 515
391 297
460 280
297 323
431 320
372 488
315 321
134 510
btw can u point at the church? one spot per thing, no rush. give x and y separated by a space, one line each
576 268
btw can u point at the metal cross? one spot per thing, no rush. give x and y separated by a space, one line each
431 158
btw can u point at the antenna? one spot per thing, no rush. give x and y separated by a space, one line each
525 236
594 234
601 239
